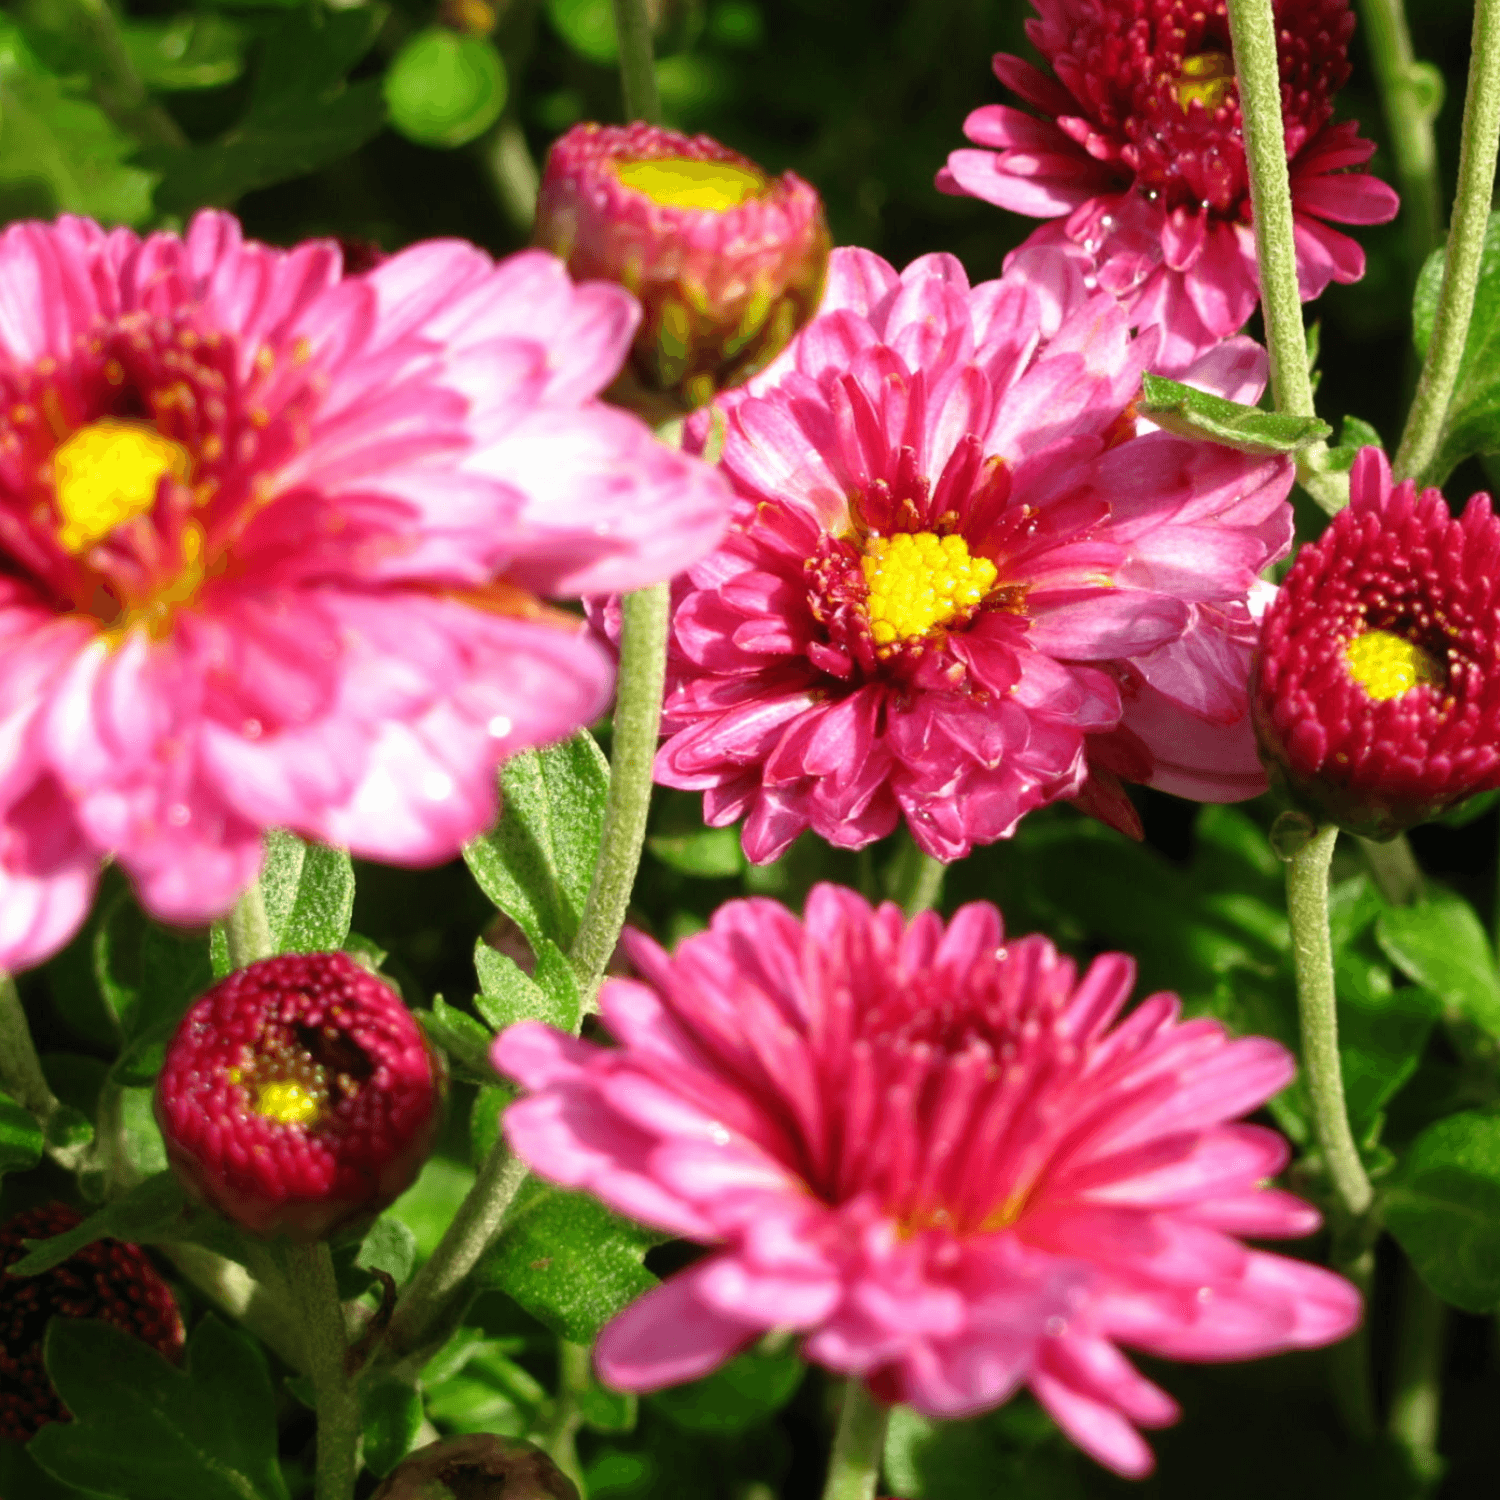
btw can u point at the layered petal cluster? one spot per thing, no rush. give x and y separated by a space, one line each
272 541
961 572
1377 692
1136 156
299 1095
943 1159
727 261
107 1279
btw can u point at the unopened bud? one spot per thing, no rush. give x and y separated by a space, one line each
477 1467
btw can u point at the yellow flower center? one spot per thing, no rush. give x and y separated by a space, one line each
107 473
287 1102
679 182
1207 77
1387 665
919 580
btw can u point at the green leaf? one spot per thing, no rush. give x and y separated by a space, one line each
475 1386
464 1039
309 894
587 26
604 1410
508 994
143 1430
390 1413
302 114
1014 1452
1192 413
21 1140
1441 945
149 1212
538 863
1473 421
58 150
389 1246
738 1395
568 1261
444 89
710 853
484 1119
187 52
427 1207
1443 1206
148 976
1353 435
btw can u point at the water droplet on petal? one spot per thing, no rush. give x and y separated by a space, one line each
437 786
499 726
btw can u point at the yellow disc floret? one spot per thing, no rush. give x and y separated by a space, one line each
1206 77
287 1102
680 182
1387 665
107 473
919 580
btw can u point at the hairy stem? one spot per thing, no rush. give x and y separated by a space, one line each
1394 868
574 1378
854 1464
439 1283
309 1274
637 723
1411 93
1416 1398
1350 1365
1312 957
247 1300
637 65
914 878
247 929
1252 29
20 1068
1461 265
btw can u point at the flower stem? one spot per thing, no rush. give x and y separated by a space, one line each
247 1300
1312 957
20 1069
1411 92
1252 29
309 1274
914 878
433 1290
637 65
247 929
1471 212
858 1446
637 722
1416 1400
119 88
1394 868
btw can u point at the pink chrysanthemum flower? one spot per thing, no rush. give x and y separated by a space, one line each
954 562
1139 159
727 261
934 1155
1377 689
270 544
299 1095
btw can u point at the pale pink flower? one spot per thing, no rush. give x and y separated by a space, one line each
1137 158
271 541
921 435
934 1156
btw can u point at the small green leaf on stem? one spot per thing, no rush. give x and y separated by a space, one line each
1191 413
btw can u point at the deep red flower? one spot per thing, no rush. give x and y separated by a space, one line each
107 1280
1378 685
299 1096
1138 158
727 261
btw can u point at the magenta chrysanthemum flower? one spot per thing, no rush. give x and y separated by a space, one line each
1377 689
107 1279
728 262
1139 159
299 1096
954 562
270 545
936 1156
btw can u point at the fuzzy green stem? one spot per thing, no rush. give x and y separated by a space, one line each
434 1289
1416 1399
637 65
1412 93
1252 30
309 1274
915 878
247 929
117 84
1350 1366
637 723
574 1377
1312 957
20 1069
1471 212
858 1446
1394 867
247 1300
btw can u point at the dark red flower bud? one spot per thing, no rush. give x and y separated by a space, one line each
1377 695
107 1280
727 262
477 1467
299 1096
